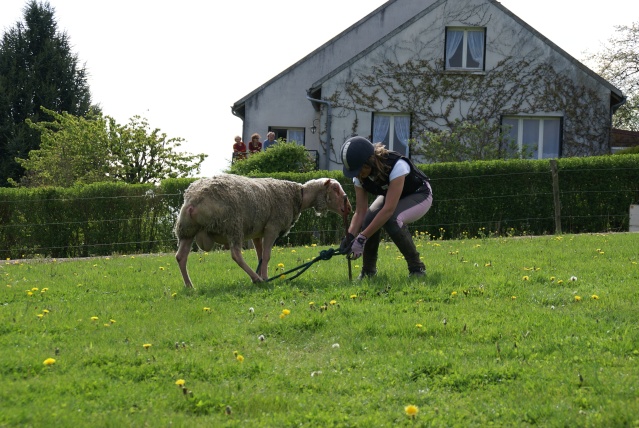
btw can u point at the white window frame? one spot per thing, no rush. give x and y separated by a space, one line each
389 138
544 120
292 133
465 48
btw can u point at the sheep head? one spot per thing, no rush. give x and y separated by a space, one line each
327 195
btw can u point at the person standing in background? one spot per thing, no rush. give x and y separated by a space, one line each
255 145
270 140
239 148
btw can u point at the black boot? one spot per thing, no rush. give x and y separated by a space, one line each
404 241
369 258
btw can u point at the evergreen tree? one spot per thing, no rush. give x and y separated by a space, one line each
37 69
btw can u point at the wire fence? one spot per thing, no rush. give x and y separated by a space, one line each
472 205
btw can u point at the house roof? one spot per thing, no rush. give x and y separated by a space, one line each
616 98
238 107
623 138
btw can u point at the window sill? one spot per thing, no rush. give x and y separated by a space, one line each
465 72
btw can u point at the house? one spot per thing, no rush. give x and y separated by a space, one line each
621 139
413 66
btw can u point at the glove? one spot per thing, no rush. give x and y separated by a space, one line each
347 241
357 248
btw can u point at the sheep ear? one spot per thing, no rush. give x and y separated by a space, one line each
328 182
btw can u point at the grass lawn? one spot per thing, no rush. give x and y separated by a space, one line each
502 331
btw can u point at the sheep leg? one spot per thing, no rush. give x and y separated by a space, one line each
257 243
182 256
267 245
236 254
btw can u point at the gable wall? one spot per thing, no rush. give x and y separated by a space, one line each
425 39
283 102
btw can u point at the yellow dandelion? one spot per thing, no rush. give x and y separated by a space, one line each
40 316
240 358
35 289
29 293
174 294
112 321
453 294
180 382
561 281
332 302
107 324
411 410
45 289
146 345
594 297
286 311
577 298
162 267
513 297
280 265
94 318
311 304
525 278
206 309
45 311
418 325
282 316
552 278
49 362
313 245
353 296
293 251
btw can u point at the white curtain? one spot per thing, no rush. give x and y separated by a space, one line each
402 132
296 135
476 46
381 125
453 40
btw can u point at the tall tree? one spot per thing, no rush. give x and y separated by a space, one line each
618 62
37 69
79 150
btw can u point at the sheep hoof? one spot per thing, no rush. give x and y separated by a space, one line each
258 279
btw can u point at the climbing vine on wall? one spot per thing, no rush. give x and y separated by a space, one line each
438 100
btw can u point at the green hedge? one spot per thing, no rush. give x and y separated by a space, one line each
470 199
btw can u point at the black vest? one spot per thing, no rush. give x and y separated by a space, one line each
415 179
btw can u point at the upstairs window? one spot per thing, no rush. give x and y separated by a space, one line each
465 48
393 130
537 137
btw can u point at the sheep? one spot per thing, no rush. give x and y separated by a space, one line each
229 209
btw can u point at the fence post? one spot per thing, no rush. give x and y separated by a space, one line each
555 194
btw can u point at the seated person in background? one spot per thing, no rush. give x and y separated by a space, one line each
239 148
255 145
270 140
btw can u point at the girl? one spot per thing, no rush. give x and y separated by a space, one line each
403 194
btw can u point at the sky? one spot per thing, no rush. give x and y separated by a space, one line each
183 64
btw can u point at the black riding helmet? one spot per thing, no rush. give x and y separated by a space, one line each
355 153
